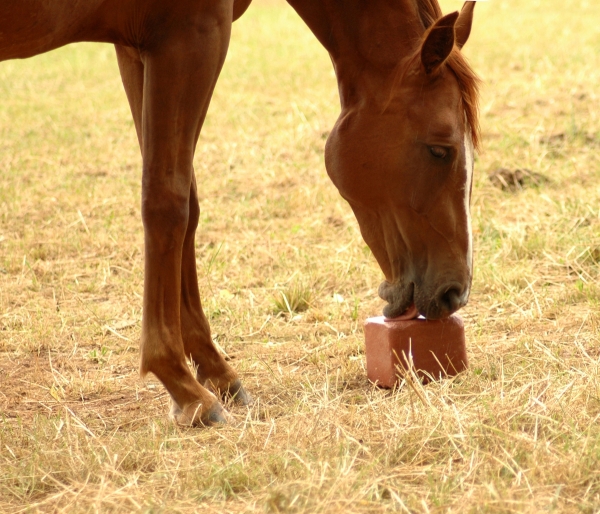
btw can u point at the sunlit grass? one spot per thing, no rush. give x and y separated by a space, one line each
292 299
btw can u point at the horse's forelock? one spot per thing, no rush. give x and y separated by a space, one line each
468 81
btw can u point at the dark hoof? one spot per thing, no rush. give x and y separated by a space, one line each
238 394
192 416
216 415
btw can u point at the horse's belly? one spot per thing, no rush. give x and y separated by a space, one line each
31 27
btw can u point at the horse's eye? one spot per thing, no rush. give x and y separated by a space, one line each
438 151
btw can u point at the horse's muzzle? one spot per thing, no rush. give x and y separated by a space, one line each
446 300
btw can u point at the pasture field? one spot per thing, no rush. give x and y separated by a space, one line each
518 432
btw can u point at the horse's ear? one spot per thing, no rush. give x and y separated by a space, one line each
438 43
462 28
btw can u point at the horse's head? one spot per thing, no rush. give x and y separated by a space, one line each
404 162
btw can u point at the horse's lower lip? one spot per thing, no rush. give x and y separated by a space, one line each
399 310
411 313
399 298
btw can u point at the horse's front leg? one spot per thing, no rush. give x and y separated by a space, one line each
212 370
179 77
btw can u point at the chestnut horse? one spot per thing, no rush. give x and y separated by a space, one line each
401 152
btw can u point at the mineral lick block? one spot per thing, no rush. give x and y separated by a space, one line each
436 348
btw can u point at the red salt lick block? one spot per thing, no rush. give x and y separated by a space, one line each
437 348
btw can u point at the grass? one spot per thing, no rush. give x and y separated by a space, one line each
293 299
518 432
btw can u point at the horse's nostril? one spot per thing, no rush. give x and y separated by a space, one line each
450 300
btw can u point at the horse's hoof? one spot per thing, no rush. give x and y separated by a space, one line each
216 415
234 391
192 415
238 394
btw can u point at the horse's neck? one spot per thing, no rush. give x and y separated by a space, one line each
366 39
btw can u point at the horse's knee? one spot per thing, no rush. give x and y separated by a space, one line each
165 209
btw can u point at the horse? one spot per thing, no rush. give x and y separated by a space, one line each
401 152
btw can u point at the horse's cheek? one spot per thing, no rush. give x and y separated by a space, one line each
336 157
347 166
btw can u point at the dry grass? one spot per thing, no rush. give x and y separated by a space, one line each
518 432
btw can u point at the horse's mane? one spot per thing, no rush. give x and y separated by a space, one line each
468 81
429 11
